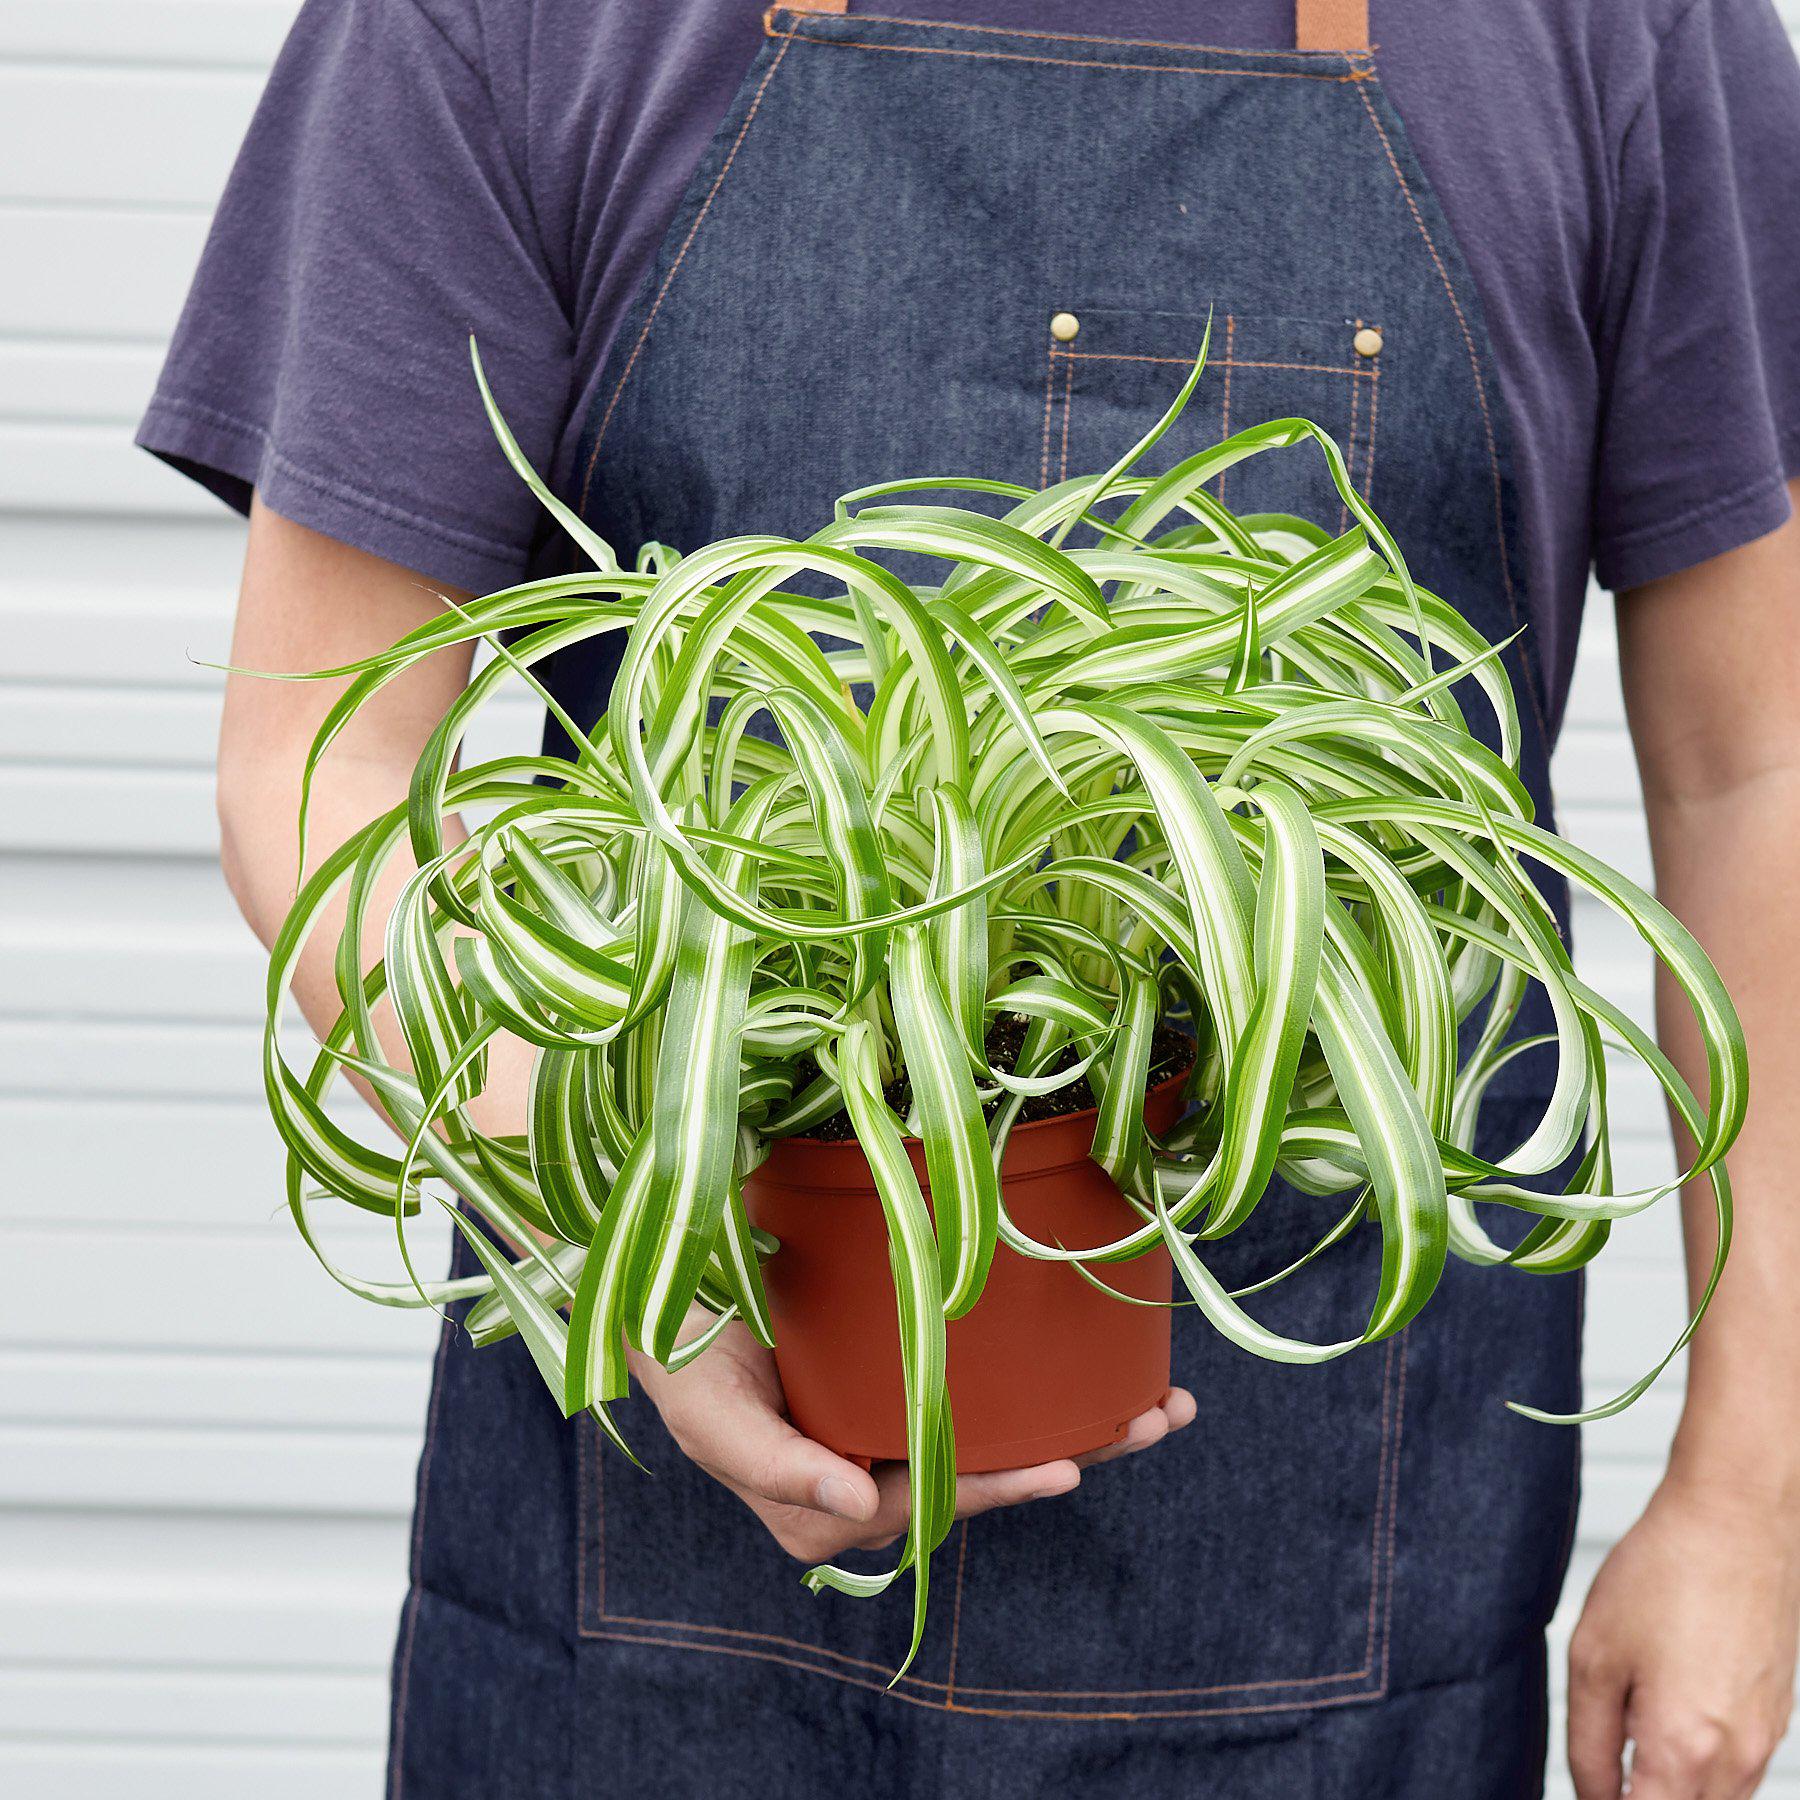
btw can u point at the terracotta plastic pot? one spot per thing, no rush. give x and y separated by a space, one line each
1044 1365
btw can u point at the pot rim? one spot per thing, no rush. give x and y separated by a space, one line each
1064 1120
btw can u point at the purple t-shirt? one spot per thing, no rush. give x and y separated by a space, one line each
1624 177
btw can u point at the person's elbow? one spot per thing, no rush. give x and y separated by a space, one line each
256 799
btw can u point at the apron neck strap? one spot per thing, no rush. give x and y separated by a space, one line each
1318 24
1330 24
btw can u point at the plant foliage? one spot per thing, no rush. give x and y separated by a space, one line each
1124 756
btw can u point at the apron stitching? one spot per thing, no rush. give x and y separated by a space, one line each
1081 37
988 1712
593 1517
597 1462
687 244
1369 446
640 1627
962 1563
1527 661
1068 405
1350 450
1568 1538
1225 398
397 1750
1387 1627
1381 1500
1067 62
1049 399
1386 1495
1226 362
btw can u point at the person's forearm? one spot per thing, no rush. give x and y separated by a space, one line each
259 824
1728 864
260 839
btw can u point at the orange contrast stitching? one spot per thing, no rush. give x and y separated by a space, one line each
962 1563
640 1625
1049 399
1387 1625
1225 398
687 244
1381 1499
1078 37
593 1464
1487 421
1369 446
987 1712
1350 450
1066 62
643 1630
1068 406
1227 361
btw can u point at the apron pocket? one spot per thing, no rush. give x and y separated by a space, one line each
1107 385
1244 1567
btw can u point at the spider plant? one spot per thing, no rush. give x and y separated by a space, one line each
1128 758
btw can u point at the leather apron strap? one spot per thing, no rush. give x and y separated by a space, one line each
1331 24
1318 24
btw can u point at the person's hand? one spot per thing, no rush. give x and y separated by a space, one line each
1686 1648
726 1413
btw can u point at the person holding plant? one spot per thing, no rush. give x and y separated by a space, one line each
1533 267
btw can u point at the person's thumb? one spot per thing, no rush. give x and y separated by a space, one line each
737 1436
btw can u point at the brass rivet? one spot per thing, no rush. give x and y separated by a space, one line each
1367 342
1064 326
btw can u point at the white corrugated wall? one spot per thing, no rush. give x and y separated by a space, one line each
206 1449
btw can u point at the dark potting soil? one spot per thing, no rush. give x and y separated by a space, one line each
1171 1052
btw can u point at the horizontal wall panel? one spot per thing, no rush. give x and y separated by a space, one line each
207 1471
188 1165
176 33
71 256
147 812
72 467
223 1293
52 152
134 1389
132 564
222 1707
186 1059
1595 768
326 1622
119 968
76 383
78 1769
89 636
1615 836
100 728
91 895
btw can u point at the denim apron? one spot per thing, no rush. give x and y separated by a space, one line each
1335 1584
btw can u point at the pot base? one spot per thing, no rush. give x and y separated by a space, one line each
1022 1453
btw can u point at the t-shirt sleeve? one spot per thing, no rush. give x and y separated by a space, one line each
376 217
1699 327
